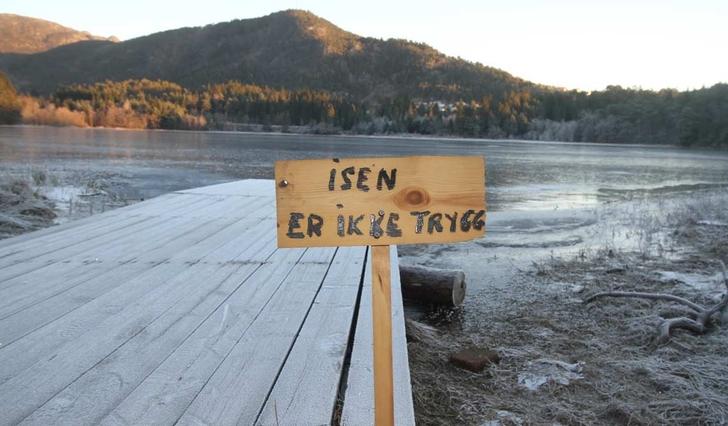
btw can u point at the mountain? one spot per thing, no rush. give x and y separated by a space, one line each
21 34
292 49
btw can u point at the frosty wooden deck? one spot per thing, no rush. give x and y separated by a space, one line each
181 310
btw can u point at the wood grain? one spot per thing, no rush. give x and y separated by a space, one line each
382 337
438 187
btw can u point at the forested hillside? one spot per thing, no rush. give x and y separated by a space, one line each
292 49
293 68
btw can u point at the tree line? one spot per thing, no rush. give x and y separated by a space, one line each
616 114
166 105
9 102
619 115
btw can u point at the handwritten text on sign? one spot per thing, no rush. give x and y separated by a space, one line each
379 201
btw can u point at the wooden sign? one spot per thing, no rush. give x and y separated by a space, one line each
379 201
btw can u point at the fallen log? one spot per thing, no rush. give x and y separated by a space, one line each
432 286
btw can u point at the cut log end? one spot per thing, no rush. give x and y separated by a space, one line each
444 287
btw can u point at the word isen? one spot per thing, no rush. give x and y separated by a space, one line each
384 178
426 221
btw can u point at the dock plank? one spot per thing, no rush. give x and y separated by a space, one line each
71 359
100 389
96 279
114 250
180 309
123 244
134 300
313 369
52 231
166 393
101 230
68 234
359 397
237 390
54 278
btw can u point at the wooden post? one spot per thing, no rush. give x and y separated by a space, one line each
382 330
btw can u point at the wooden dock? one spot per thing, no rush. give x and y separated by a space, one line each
182 310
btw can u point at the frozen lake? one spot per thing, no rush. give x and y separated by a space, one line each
520 175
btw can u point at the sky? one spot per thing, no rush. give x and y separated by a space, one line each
574 44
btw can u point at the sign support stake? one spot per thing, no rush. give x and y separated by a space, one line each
382 336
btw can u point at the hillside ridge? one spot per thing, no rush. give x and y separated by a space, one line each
23 34
293 49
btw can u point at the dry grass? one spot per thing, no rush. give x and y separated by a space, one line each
627 379
22 209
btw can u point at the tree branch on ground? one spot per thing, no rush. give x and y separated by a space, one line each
701 314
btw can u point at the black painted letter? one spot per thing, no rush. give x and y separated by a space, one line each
376 230
433 223
293 223
332 179
353 229
340 225
465 221
315 222
347 182
392 227
420 220
363 178
479 220
453 221
389 180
